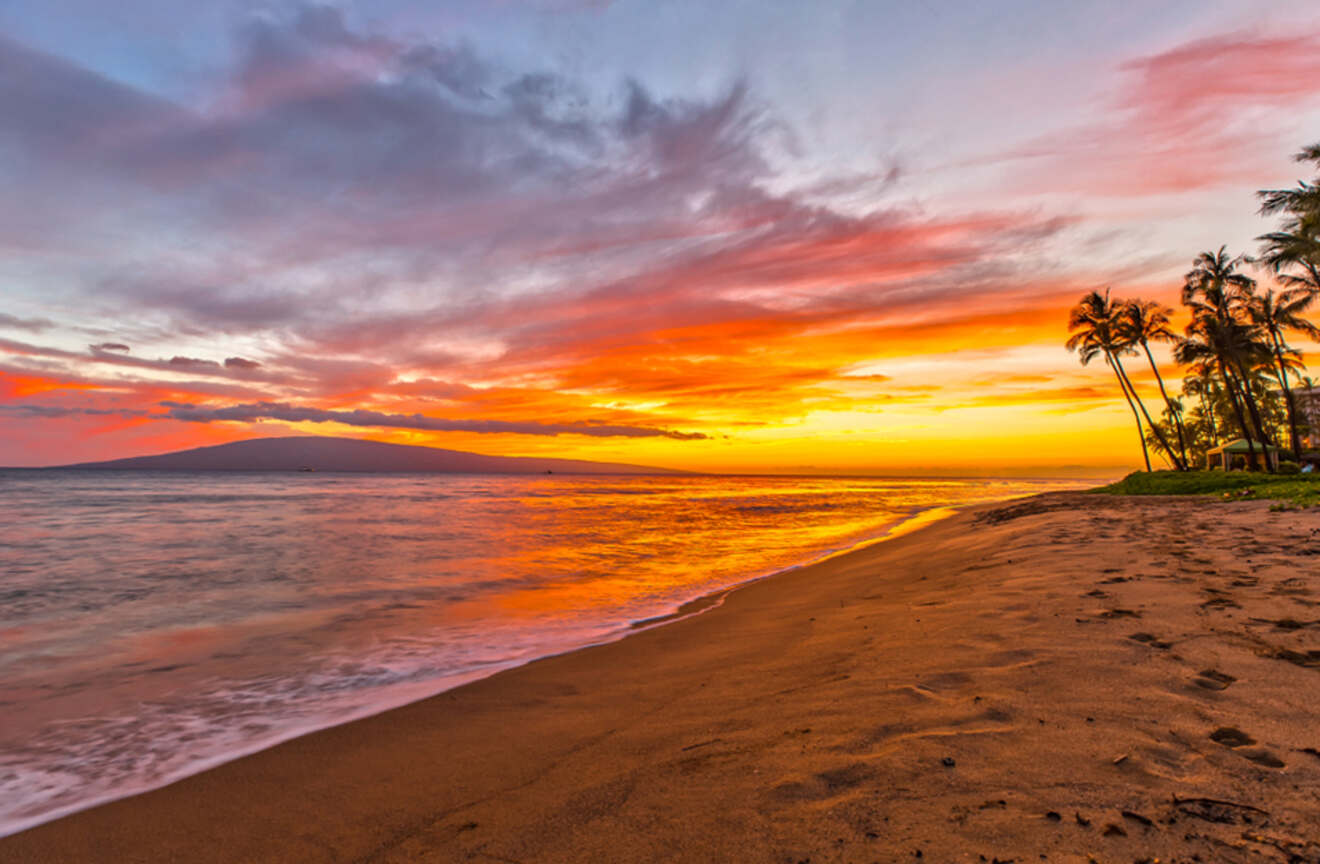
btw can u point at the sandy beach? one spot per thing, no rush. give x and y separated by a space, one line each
1068 678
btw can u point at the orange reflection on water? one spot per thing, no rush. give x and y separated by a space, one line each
162 622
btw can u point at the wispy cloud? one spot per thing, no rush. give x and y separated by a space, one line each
358 417
49 411
1196 116
32 325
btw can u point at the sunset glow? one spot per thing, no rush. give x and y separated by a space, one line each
842 240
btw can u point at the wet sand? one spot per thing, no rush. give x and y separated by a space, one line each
1067 677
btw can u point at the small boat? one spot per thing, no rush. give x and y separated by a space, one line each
306 468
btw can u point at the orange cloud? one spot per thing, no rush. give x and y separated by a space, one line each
16 386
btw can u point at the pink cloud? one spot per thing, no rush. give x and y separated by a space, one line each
1184 85
1191 117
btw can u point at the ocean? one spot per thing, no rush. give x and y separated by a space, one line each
153 624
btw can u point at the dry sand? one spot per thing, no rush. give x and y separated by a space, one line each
1058 678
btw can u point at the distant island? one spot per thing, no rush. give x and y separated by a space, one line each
317 453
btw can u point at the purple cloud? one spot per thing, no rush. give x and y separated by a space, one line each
113 354
253 412
324 143
52 411
192 363
32 325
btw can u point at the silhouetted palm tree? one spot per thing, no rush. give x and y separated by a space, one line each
1215 287
1274 314
1095 324
1200 383
1294 258
1301 201
1218 295
1293 251
1145 321
1235 342
1204 346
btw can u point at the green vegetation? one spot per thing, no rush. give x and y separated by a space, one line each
1240 370
1297 490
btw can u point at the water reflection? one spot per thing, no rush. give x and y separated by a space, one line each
152 624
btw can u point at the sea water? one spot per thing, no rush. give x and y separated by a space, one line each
153 624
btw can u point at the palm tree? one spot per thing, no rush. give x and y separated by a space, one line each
1301 202
1094 325
1201 384
1218 294
1214 284
1145 321
1204 346
1294 258
1275 313
1293 251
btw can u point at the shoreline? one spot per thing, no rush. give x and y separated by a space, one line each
382 776
916 519
912 520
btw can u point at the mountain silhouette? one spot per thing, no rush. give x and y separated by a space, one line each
317 453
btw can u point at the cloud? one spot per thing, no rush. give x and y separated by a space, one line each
1199 115
451 173
33 325
324 146
253 412
109 346
192 363
45 359
51 411
402 222
1193 82
67 141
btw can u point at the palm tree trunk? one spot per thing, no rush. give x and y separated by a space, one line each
1145 454
1159 436
1253 410
1230 384
1209 415
1177 421
1287 394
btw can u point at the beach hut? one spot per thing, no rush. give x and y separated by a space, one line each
1307 400
1224 453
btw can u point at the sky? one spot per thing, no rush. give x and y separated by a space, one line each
758 237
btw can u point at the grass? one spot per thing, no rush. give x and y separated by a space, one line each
1290 490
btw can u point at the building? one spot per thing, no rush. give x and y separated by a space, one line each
1236 453
1307 400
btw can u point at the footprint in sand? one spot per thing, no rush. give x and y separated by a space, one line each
1241 743
1213 679
1293 624
1150 639
1309 659
1231 736
1261 756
